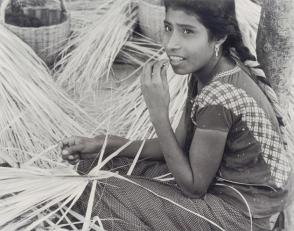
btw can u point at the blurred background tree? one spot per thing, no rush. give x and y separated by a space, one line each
275 52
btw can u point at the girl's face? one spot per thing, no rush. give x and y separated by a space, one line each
186 42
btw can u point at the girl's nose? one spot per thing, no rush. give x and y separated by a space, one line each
172 43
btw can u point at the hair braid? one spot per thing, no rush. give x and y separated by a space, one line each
250 61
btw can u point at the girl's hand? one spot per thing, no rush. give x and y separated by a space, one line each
78 148
155 89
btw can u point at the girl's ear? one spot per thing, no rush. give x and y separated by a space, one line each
221 41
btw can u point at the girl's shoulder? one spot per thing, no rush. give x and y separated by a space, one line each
236 86
237 92
227 89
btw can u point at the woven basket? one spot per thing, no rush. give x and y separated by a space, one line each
45 40
151 15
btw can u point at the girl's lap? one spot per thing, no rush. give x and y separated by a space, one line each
139 202
147 168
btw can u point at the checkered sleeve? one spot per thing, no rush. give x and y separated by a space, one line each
213 117
236 103
218 93
210 108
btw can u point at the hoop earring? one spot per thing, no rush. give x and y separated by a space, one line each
216 48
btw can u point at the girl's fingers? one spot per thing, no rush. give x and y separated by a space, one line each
157 69
71 157
146 70
68 141
147 73
74 162
74 157
164 75
72 150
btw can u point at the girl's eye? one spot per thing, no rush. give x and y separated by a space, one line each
167 28
187 31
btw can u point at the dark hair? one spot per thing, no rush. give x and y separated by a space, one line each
219 17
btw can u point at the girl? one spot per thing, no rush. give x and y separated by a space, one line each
227 155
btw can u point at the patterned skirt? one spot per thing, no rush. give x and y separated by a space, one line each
124 206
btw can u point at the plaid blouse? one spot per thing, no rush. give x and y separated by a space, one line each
255 160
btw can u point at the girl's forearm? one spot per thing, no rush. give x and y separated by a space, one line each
177 160
151 149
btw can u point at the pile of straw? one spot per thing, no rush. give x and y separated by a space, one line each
95 49
36 113
84 12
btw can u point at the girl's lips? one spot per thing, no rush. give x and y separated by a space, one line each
176 60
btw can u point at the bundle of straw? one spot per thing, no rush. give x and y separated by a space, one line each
84 12
32 196
36 114
97 47
134 55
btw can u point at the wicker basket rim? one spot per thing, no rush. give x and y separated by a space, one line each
44 8
66 21
4 4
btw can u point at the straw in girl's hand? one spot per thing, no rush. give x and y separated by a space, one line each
70 156
77 148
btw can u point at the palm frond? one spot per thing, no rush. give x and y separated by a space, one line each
36 113
95 49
